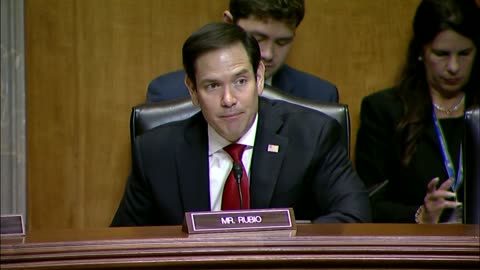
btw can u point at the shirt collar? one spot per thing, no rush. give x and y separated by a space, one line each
269 81
217 142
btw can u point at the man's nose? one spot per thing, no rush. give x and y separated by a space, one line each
267 51
228 99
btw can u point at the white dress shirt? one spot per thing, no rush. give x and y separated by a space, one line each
269 81
220 162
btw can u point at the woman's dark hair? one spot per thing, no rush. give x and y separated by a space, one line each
214 36
431 18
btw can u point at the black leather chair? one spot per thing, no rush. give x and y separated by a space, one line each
472 166
149 115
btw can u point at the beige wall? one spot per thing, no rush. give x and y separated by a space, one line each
88 62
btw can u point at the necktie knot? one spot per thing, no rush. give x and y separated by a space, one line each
235 151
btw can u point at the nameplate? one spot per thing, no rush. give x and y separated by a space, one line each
11 225
239 220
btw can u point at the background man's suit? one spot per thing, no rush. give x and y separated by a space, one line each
297 83
311 171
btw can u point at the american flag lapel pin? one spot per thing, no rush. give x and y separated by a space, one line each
272 148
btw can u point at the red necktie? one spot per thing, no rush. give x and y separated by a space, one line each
231 194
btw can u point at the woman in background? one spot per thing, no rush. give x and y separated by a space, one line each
412 133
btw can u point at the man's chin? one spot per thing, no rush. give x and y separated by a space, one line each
268 75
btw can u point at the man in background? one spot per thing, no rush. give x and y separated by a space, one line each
273 23
287 155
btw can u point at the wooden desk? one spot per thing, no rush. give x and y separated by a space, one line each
326 246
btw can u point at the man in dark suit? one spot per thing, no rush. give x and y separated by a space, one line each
273 23
290 157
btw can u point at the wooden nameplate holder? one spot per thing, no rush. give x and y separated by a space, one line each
239 220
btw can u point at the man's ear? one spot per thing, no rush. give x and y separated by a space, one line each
260 77
227 17
191 90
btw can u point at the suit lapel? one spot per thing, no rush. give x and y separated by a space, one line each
192 164
266 160
192 161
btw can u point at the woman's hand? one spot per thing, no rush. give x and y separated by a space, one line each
436 200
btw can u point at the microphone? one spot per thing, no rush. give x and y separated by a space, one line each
237 173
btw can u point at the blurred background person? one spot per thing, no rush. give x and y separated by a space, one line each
273 23
412 133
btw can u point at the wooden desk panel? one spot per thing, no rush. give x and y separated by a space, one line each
326 246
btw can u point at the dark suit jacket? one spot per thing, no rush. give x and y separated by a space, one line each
310 173
378 157
297 83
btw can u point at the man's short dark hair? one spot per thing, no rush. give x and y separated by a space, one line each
288 11
214 36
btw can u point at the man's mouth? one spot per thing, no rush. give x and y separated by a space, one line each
230 115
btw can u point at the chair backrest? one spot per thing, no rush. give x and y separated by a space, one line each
472 165
149 115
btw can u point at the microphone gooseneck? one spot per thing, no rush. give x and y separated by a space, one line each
237 173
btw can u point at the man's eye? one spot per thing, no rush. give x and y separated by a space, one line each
284 42
241 82
260 38
212 86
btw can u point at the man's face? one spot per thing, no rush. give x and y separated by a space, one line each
275 39
448 62
227 90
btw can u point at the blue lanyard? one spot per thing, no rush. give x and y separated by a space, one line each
447 160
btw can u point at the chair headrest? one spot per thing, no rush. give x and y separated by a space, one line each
149 115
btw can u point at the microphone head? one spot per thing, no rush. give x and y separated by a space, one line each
237 171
